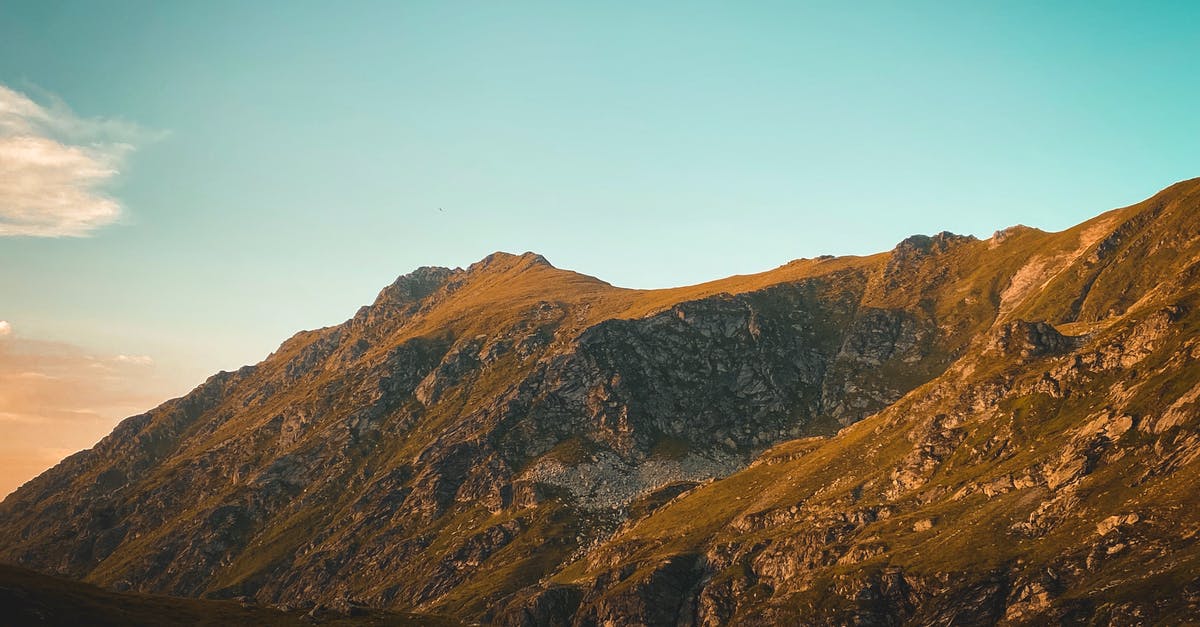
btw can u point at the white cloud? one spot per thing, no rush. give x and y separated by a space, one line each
134 360
5 328
54 167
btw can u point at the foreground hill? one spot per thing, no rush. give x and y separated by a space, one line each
31 599
958 431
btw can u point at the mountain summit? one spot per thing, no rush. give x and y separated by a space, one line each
957 431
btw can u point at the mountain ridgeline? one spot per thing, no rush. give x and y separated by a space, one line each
958 431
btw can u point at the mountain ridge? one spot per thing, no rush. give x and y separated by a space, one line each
503 442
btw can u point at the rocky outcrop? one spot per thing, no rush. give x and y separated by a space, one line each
1026 341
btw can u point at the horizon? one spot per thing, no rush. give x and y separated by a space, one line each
197 182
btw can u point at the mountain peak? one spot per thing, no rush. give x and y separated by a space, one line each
415 285
940 242
1003 234
501 261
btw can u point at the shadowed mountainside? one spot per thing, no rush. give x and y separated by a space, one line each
31 598
957 431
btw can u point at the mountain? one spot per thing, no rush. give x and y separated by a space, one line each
958 431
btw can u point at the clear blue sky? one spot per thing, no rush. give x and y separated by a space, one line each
292 157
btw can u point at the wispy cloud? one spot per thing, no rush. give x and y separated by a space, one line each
57 398
55 166
134 360
5 328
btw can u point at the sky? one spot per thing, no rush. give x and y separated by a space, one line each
185 184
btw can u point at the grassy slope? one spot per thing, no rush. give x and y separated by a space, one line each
29 598
971 534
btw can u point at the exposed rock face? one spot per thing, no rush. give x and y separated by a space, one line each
517 444
1026 341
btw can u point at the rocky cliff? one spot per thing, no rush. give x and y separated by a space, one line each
958 431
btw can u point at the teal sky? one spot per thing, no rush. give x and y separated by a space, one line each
290 158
